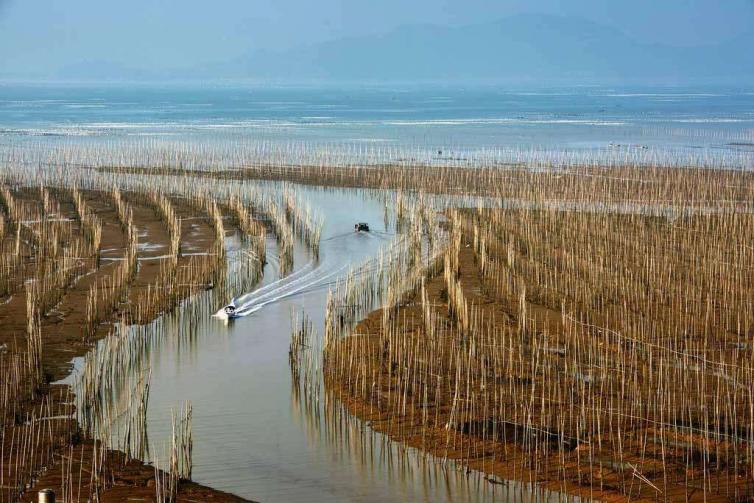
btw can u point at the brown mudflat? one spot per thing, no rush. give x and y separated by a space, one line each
628 185
42 446
599 354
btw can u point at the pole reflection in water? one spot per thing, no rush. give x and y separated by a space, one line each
270 434
352 442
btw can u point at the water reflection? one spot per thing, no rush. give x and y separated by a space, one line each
261 433
414 474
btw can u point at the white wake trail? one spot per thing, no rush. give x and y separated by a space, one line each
282 293
288 280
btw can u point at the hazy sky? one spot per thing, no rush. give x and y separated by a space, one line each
37 35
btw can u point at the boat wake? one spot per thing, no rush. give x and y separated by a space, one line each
311 277
305 280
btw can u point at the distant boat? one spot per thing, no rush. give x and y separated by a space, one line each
361 227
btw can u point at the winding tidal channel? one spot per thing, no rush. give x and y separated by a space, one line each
253 434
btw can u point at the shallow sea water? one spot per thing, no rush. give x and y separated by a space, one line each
427 123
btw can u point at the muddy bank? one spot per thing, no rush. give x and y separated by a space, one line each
562 348
78 292
575 184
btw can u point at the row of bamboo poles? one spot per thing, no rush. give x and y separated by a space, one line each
604 352
111 394
583 325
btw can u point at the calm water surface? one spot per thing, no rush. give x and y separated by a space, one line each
253 437
431 123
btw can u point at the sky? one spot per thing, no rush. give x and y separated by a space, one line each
37 36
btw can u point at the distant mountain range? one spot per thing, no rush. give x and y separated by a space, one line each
519 49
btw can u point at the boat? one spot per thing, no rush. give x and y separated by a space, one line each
231 311
361 227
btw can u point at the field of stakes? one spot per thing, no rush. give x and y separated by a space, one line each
95 267
585 328
591 334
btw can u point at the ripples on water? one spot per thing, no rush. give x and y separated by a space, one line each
437 125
